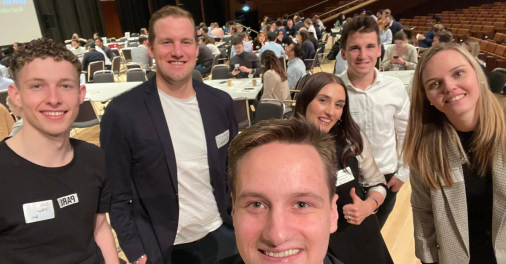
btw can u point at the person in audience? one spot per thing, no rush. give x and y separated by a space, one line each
401 56
318 21
204 58
385 33
243 63
55 190
309 26
296 67
281 28
96 36
361 187
272 45
280 38
307 47
6 123
234 32
379 14
82 41
76 49
263 24
386 12
259 41
170 199
318 30
369 13
393 25
226 28
92 55
247 46
198 31
204 31
379 104
290 28
7 53
275 80
473 47
454 147
140 54
298 23
216 31
410 38
144 32
427 39
339 25
315 42
207 41
16 111
341 65
362 12
289 219
108 52
107 61
442 37
16 46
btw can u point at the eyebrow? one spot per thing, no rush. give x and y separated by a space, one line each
448 71
294 195
328 97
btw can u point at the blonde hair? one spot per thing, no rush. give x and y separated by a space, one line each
308 22
473 47
430 136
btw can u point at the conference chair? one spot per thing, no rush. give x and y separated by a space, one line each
115 52
134 35
226 39
127 54
197 75
87 116
216 61
122 39
134 66
242 112
105 76
315 62
269 109
3 98
133 45
116 66
93 67
496 81
282 61
219 72
136 75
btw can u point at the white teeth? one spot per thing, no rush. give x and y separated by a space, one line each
456 98
177 62
324 120
286 253
53 113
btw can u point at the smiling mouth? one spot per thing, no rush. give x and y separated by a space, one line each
54 113
177 62
456 98
324 120
285 253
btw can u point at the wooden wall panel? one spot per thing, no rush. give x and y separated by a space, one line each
111 19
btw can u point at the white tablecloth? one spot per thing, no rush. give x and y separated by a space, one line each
103 92
239 88
404 76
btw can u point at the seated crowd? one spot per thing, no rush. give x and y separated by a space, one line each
181 184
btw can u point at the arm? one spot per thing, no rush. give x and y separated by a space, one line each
401 117
413 58
423 221
105 240
385 64
113 141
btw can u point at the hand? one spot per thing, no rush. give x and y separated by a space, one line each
358 210
236 71
395 184
400 61
393 61
244 69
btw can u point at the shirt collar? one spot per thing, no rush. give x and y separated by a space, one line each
391 23
347 82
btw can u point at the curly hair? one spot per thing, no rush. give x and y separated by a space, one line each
41 48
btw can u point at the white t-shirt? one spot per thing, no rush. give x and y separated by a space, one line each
198 211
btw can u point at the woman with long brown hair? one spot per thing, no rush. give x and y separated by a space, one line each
360 185
259 41
274 79
455 148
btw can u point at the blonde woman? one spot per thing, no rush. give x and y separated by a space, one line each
401 56
455 148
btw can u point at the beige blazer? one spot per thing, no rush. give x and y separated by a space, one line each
440 215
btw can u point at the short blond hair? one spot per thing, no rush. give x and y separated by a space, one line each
164 12
290 131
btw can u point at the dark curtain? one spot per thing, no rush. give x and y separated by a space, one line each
215 12
62 18
158 4
193 6
133 15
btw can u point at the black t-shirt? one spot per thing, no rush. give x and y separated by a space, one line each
479 208
77 191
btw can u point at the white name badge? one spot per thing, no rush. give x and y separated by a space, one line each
38 211
68 200
344 176
222 139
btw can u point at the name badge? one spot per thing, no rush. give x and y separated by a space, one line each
38 211
222 139
344 176
68 200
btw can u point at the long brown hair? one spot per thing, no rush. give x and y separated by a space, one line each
430 136
271 62
310 86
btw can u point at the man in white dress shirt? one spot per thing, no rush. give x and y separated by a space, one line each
379 104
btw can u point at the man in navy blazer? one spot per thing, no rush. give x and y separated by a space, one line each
166 147
393 25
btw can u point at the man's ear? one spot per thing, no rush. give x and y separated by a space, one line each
13 92
343 54
233 203
334 215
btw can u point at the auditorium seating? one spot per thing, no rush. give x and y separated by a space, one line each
485 24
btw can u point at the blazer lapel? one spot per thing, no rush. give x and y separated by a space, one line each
154 106
456 197
499 192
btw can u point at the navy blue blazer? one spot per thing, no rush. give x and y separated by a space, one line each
396 27
141 163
